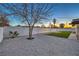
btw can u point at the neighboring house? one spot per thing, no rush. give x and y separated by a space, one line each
76 23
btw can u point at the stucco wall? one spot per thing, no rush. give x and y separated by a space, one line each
1 34
24 31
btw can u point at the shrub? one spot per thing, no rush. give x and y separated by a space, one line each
13 34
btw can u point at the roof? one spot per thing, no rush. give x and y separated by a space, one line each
75 21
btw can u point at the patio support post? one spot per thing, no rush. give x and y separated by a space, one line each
77 31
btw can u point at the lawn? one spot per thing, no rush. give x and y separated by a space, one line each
63 34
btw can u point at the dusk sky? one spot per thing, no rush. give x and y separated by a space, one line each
62 12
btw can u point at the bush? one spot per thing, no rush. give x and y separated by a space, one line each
13 34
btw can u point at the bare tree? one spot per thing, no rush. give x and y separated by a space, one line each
30 13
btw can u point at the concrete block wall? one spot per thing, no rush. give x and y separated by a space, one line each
23 31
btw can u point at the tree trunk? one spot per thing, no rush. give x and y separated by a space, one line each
30 32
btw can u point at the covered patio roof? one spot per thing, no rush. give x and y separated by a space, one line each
75 21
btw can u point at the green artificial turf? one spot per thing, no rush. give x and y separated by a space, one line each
63 34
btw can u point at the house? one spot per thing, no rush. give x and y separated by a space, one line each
76 23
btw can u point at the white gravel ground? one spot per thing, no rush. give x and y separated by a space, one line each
42 45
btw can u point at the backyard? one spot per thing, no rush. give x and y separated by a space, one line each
38 30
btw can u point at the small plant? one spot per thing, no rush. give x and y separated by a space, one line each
16 33
13 34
